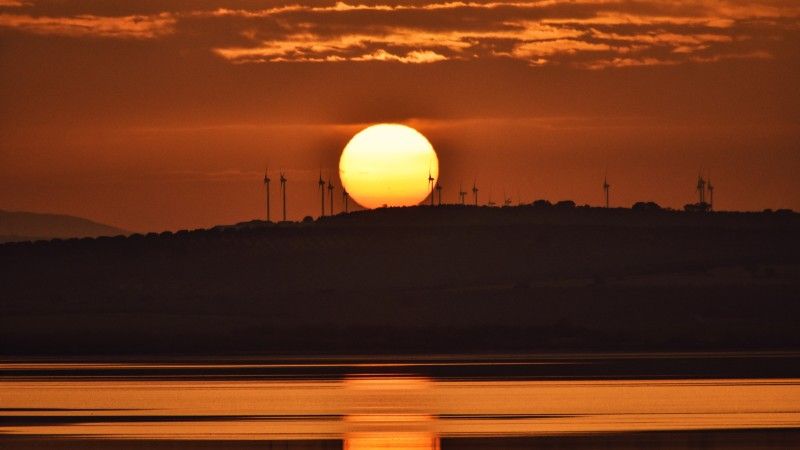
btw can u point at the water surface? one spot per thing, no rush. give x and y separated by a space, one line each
383 405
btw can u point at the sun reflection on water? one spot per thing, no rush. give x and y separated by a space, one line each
394 441
389 413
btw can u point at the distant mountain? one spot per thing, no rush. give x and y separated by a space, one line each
26 226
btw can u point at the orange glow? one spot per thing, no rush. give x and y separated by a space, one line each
388 164
534 99
393 441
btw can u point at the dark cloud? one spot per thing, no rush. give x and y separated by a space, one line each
587 33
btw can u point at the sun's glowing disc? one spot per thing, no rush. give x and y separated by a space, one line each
388 165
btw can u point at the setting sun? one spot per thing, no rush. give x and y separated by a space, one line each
388 164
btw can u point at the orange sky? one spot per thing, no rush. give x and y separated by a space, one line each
159 114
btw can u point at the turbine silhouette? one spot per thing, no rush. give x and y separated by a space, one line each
701 187
266 185
283 194
710 192
321 185
330 194
431 184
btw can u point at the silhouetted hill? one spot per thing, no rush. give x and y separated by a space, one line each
458 215
27 226
426 279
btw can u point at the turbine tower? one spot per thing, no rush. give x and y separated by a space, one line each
606 188
701 188
266 185
710 193
283 194
345 196
321 184
439 193
330 194
461 193
431 184
475 192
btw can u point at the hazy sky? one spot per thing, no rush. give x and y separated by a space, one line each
162 114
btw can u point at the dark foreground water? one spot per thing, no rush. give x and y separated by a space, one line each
673 401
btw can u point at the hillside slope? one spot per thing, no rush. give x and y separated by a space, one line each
416 280
25 226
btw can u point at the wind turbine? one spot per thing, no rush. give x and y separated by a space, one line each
321 184
330 194
345 196
606 187
710 192
283 194
439 193
701 187
266 185
461 193
431 184
475 192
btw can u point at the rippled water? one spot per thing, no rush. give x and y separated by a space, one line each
46 404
